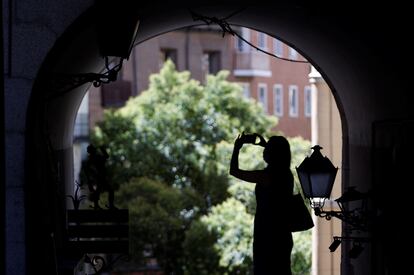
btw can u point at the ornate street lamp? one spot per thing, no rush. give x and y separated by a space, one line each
117 27
116 30
317 176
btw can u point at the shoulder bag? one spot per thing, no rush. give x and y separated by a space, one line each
299 217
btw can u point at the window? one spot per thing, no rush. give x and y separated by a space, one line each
293 54
81 129
246 89
308 101
242 46
261 41
81 125
278 47
293 101
262 95
211 62
278 100
166 54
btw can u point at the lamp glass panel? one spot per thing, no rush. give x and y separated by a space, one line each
304 182
321 185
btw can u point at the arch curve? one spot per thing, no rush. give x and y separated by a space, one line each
51 118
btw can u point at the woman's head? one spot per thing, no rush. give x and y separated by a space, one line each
277 152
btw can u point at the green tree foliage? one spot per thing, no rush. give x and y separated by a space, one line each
169 156
302 253
200 253
158 220
170 132
233 226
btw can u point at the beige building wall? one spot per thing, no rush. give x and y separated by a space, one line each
327 132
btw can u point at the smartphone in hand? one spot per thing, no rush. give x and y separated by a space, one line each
250 138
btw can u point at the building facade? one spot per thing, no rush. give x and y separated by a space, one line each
282 87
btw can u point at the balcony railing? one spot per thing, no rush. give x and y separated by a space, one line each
252 63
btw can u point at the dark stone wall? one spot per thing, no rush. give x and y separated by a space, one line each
364 62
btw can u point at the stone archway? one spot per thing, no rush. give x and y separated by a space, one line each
49 123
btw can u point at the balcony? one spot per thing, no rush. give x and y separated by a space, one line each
252 64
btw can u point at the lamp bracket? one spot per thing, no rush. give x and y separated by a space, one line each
353 239
354 218
61 83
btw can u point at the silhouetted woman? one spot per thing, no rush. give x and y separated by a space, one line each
272 239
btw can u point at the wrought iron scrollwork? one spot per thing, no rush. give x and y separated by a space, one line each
358 218
61 83
76 198
97 262
100 265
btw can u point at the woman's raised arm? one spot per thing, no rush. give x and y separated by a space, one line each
249 176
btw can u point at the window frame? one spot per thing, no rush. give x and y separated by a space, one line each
168 53
277 47
293 54
240 45
211 62
293 111
307 99
261 38
245 87
265 103
278 98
